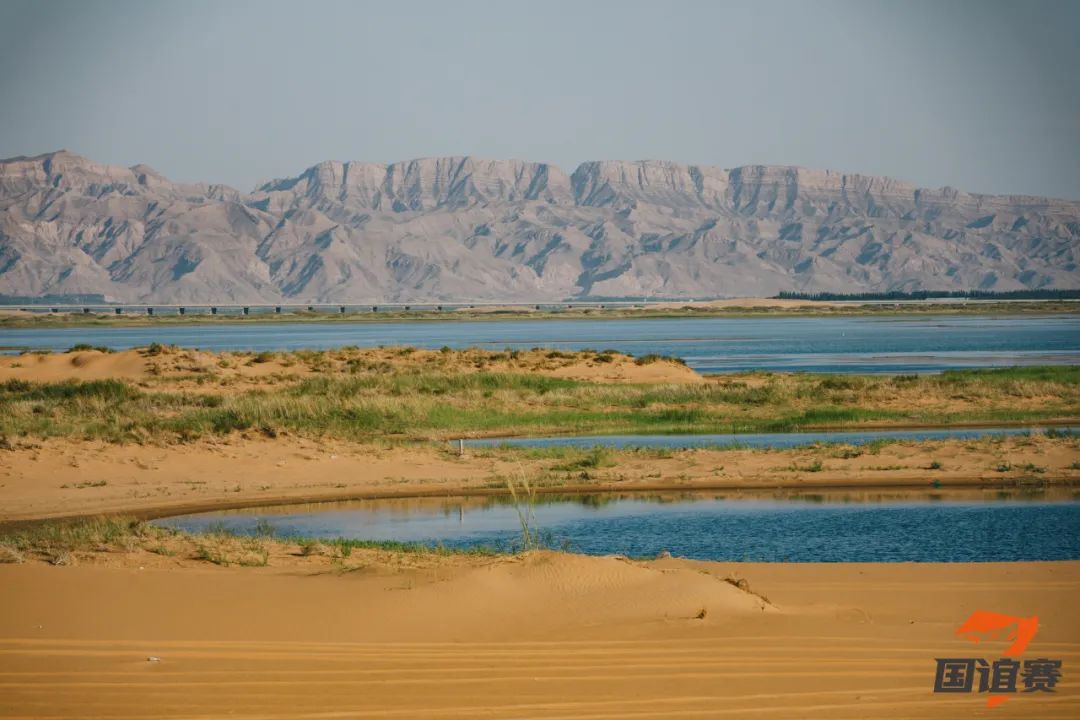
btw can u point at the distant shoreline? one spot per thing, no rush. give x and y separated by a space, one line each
198 314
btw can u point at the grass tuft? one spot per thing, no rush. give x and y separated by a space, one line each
10 554
84 347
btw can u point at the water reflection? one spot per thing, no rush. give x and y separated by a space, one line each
1034 523
451 505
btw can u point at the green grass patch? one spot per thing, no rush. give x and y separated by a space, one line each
413 404
590 459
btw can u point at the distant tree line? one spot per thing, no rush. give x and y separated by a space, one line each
937 294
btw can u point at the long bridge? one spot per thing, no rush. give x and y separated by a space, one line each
430 306
334 308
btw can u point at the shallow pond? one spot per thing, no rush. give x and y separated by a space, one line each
829 527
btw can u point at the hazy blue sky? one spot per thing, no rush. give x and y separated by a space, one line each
981 95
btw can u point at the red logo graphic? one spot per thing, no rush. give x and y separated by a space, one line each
983 625
1000 678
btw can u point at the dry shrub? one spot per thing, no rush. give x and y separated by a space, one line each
10 555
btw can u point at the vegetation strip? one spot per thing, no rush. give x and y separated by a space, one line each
408 395
62 542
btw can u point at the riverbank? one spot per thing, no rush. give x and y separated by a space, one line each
105 317
60 478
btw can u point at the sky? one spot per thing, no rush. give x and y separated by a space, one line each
981 95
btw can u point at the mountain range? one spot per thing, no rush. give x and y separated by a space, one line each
461 228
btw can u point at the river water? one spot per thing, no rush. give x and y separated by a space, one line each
894 344
761 440
852 527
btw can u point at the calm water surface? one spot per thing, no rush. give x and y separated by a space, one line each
826 528
710 345
759 440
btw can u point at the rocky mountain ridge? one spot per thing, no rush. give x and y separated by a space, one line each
460 228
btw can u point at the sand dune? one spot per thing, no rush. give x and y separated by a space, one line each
88 365
623 370
544 636
179 365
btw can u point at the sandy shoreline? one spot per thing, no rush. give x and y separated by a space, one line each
197 314
64 478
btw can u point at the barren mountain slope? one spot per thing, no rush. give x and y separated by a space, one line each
462 228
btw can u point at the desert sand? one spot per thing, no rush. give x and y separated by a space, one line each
58 367
176 365
537 636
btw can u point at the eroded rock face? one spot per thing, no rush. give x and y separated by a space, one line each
467 229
